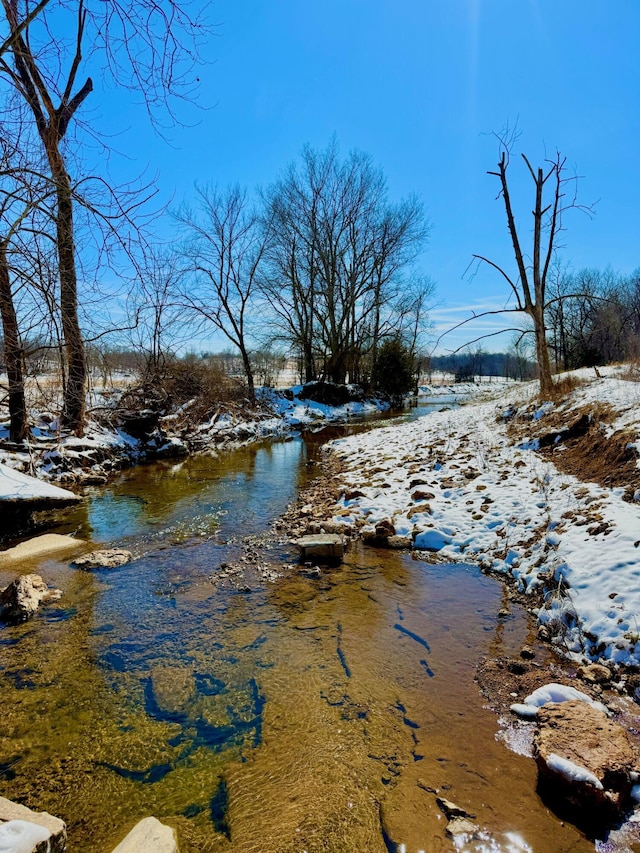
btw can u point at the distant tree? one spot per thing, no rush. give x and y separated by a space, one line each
155 316
224 251
335 260
592 318
267 364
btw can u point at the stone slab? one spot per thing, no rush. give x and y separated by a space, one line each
321 546
39 546
21 827
149 836
586 762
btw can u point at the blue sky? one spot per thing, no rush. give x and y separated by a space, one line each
420 85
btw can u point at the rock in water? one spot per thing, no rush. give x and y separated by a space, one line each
585 763
327 546
110 558
149 836
20 600
24 831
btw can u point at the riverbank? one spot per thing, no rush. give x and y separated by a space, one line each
545 494
118 437
115 438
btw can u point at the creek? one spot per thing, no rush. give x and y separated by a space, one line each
315 712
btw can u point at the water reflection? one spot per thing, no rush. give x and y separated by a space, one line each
240 491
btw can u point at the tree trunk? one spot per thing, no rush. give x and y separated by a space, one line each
309 365
337 369
18 425
248 371
542 353
73 410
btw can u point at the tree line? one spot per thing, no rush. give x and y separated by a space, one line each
319 264
593 317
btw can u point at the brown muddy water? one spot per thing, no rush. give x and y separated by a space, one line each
312 713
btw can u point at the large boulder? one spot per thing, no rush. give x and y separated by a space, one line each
586 763
149 836
25 831
20 600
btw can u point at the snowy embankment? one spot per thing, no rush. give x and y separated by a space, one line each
468 485
108 446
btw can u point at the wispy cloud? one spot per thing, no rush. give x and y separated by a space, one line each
456 326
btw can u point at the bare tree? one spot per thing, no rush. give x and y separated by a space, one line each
336 256
154 314
225 248
23 195
529 285
16 32
52 120
148 45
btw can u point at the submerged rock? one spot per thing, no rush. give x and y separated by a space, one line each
586 763
452 810
149 836
25 831
110 558
38 546
20 600
462 827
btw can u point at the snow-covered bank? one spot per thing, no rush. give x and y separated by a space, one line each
111 443
466 484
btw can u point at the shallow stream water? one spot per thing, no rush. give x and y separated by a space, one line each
318 712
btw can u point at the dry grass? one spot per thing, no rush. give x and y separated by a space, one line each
632 372
563 385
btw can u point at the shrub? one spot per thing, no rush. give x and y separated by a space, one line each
393 371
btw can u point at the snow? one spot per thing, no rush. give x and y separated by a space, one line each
307 413
20 487
21 836
527 712
572 772
511 511
552 692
